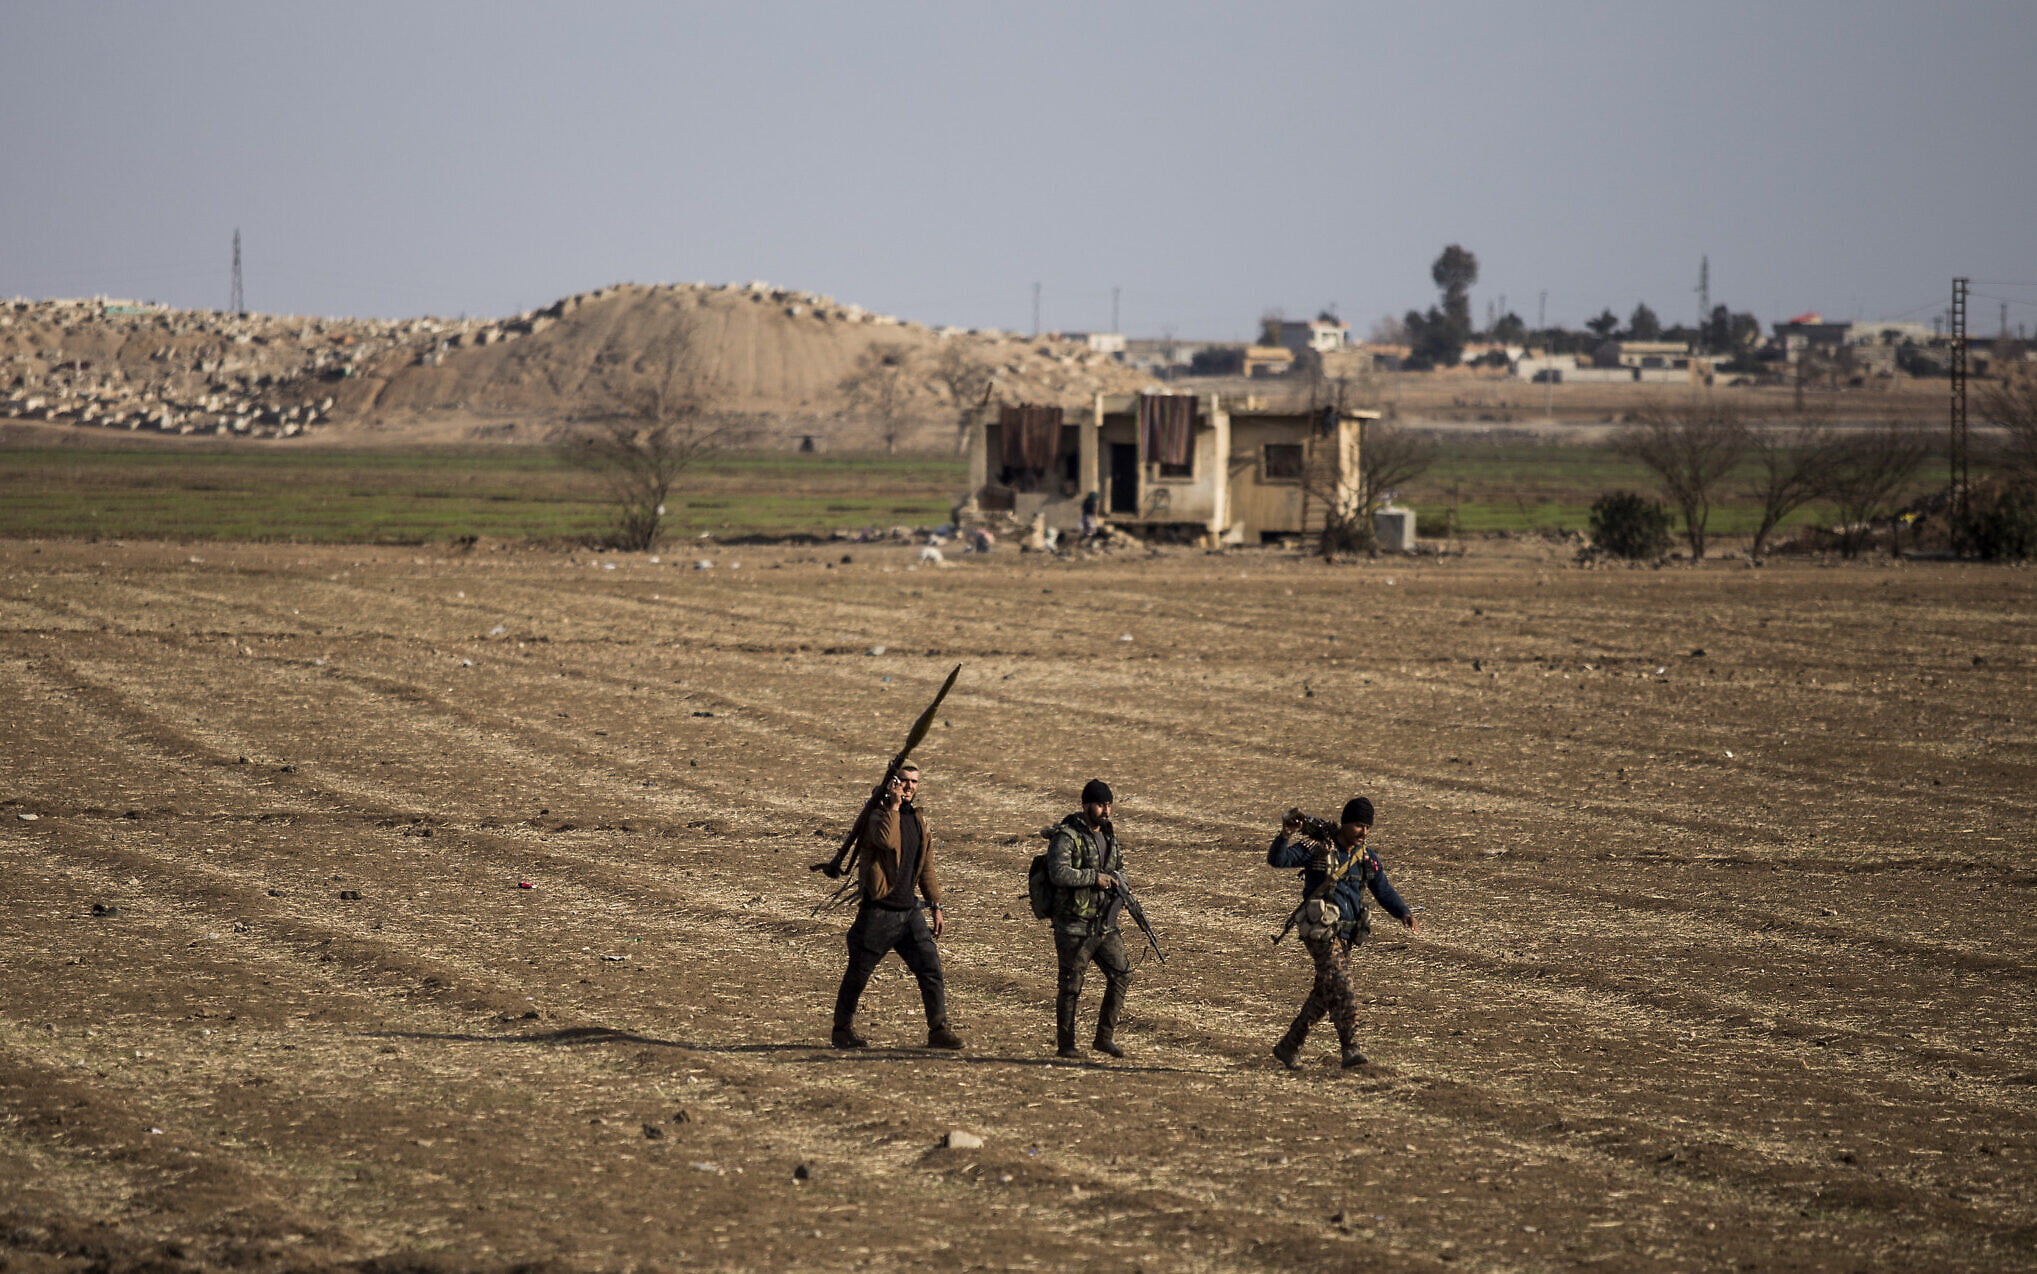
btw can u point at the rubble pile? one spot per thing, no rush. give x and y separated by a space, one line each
139 366
782 356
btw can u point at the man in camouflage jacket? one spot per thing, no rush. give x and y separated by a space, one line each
1082 854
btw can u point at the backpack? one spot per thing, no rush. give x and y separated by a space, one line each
1039 889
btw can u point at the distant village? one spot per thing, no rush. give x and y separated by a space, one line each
1806 347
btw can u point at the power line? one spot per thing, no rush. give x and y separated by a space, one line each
2008 300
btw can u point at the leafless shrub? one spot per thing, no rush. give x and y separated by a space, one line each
1690 450
1389 458
1789 472
1864 474
967 377
2011 406
881 387
639 452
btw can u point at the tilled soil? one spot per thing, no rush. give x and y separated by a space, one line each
1725 876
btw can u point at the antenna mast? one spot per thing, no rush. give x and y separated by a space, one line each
1704 291
240 302
1958 416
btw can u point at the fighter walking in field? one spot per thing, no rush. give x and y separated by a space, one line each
1082 854
895 866
1337 869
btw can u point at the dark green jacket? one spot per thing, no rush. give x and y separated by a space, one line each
1075 854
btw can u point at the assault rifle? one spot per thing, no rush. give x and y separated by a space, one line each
1121 899
1320 831
832 868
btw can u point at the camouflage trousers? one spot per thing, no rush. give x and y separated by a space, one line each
1331 995
1076 949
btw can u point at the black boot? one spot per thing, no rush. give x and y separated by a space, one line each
939 1036
1106 1043
1064 1044
845 1036
1288 1050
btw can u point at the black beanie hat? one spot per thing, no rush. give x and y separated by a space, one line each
1357 810
1096 792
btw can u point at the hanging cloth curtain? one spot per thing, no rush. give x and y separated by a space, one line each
1032 435
1167 427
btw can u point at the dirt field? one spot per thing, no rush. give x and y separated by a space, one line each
1726 880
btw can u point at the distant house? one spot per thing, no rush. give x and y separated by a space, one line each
1113 343
1184 467
1851 349
1319 335
1662 362
1267 360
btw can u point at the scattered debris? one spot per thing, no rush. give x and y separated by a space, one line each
957 1139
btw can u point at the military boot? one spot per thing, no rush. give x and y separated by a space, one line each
1064 1044
1107 1043
1288 1050
845 1036
1352 1057
940 1036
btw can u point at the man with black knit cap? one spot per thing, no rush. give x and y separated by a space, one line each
1332 925
1082 857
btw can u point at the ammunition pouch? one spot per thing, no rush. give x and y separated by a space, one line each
1321 918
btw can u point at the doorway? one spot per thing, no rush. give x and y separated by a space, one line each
1124 477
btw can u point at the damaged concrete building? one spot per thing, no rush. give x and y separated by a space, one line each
1170 466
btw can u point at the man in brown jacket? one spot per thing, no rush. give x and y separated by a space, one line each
897 866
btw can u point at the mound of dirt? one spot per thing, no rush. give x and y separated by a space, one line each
775 359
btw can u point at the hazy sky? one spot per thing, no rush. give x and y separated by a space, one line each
936 160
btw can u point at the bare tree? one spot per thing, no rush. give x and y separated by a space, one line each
2011 406
1790 472
881 387
1690 451
639 451
1865 473
1390 457
968 379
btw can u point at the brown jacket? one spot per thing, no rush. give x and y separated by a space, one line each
880 849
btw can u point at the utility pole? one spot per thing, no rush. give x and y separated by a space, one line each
1542 311
1036 310
1704 291
1114 307
1957 440
239 304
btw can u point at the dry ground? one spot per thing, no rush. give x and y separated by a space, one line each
1728 957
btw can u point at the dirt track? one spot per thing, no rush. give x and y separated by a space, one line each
1728 958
